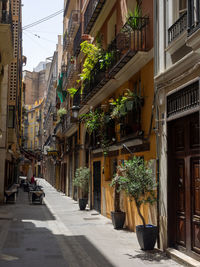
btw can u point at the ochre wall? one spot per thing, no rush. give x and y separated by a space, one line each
132 219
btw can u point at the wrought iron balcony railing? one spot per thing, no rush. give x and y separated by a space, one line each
74 21
121 50
92 12
66 40
177 28
77 41
66 122
6 17
193 16
183 100
77 98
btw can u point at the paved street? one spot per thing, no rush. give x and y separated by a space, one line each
59 234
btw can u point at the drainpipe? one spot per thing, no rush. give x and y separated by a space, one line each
156 67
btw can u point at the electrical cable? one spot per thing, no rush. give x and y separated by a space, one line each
43 19
39 37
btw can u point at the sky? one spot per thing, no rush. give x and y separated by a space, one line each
39 42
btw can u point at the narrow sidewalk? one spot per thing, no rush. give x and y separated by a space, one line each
59 234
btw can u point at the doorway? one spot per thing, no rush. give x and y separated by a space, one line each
97 186
184 185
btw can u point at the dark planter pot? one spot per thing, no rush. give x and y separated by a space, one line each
118 219
146 236
82 203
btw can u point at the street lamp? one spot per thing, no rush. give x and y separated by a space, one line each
75 112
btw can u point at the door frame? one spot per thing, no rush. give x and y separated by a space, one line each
188 156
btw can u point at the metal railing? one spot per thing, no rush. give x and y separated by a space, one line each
66 40
177 28
125 45
183 100
77 41
66 122
6 17
193 16
73 21
92 11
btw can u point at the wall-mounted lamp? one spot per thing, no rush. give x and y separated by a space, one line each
75 112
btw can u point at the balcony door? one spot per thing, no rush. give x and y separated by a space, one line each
184 185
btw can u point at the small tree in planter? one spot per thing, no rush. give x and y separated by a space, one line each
118 216
81 180
138 182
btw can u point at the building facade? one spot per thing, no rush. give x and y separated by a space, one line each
178 146
131 69
11 91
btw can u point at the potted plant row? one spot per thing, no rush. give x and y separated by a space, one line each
135 177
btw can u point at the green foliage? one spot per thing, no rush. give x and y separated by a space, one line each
81 179
91 120
138 182
92 53
120 106
61 112
72 91
133 21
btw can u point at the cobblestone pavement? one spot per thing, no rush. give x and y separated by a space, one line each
58 234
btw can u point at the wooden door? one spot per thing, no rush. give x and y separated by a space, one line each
97 185
184 185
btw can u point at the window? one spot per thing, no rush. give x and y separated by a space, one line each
31 115
11 117
182 6
31 129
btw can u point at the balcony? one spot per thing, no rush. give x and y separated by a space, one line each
66 41
74 21
38 118
6 40
94 7
26 123
6 17
77 98
193 17
77 41
66 123
38 133
177 28
194 26
123 48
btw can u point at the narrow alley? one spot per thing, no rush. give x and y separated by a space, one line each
59 234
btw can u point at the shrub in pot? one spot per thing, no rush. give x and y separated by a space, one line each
81 180
118 216
138 182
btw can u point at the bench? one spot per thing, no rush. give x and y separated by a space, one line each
36 195
11 193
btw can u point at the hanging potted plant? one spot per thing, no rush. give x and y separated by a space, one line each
138 182
81 180
61 113
117 216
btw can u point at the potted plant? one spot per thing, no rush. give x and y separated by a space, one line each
138 182
117 216
81 180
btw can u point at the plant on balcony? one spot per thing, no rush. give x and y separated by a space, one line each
133 21
91 120
92 53
72 91
137 180
96 122
81 180
61 112
125 103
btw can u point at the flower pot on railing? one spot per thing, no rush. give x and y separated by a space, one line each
86 37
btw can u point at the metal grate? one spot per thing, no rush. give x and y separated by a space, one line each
177 28
183 100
